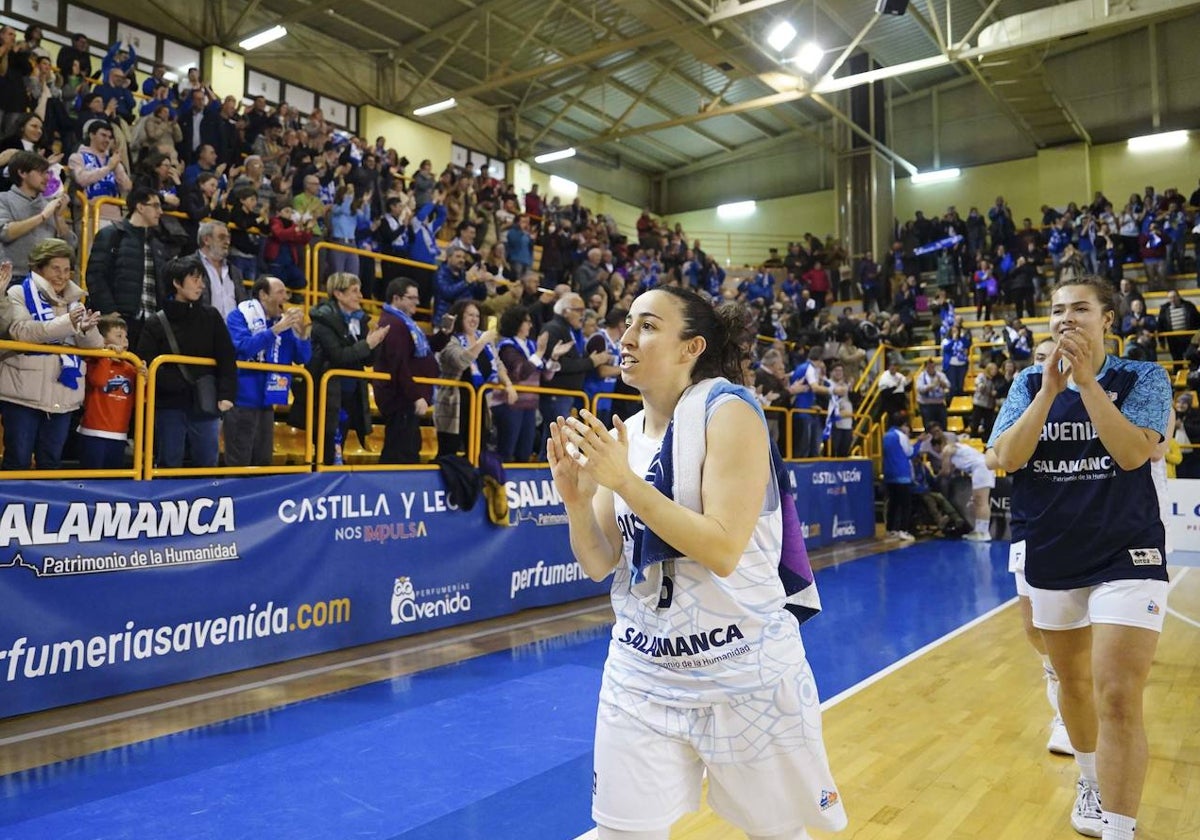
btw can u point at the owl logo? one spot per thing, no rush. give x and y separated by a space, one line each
403 596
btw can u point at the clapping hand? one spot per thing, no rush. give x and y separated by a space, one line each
376 336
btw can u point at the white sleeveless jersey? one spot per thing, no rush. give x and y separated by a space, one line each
687 637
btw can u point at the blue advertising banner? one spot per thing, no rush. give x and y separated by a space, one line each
835 500
117 586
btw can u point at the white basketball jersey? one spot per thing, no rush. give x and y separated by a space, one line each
688 637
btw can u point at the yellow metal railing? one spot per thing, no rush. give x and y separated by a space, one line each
477 417
151 471
138 418
313 294
333 373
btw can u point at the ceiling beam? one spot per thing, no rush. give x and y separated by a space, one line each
741 9
429 74
444 29
663 70
757 147
594 54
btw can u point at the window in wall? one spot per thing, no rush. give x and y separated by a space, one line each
179 58
299 98
259 85
90 24
459 155
145 44
41 10
335 111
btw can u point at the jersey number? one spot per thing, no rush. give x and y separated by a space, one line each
666 594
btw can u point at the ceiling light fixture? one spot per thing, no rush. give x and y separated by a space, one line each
781 35
1157 142
809 58
561 154
736 210
265 37
426 110
936 176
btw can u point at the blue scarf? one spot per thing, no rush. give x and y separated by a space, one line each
39 310
795 571
420 340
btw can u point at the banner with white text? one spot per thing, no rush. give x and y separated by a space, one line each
110 587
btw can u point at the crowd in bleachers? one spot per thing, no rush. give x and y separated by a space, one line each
221 201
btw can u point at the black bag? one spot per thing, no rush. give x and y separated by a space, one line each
204 394
204 385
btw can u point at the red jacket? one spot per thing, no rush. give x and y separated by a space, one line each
292 236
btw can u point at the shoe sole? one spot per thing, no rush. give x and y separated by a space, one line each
1086 831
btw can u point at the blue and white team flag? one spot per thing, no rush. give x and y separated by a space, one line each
941 244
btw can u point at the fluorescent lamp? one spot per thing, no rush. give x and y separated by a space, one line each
563 186
561 154
1157 142
809 58
736 210
781 35
936 176
255 41
444 105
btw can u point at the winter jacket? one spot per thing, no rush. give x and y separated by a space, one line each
199 331
31 379
333 346
116 268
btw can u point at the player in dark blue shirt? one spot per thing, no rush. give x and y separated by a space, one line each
1059 741
1077 433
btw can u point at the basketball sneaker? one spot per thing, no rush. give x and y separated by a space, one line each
1087 817
1060 741
978 536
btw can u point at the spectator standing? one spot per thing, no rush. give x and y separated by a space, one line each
983 401
126 263
186 326
524 360
566 328
284 249
1018 340
1152 245
1176 315
262 330
893 389
423 184
349 211
78 51
1137 319
898 476
342 338
932 387
455 282
40 391
468 357
95 167
114 92
109 402
956 358
405 353
423 247
27 217
519 246
14 67
804 385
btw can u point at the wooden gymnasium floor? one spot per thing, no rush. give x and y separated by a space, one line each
935 724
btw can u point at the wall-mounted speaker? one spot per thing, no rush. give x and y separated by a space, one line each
891 7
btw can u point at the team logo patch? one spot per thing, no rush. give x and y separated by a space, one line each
1112 395
1145 556
829 798
1153 608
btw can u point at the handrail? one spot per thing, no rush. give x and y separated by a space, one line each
85 234
313 292
378 376
477 419
138 417
150 471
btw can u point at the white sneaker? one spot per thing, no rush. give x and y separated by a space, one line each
1060 741
905 536
1087 817
976 536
